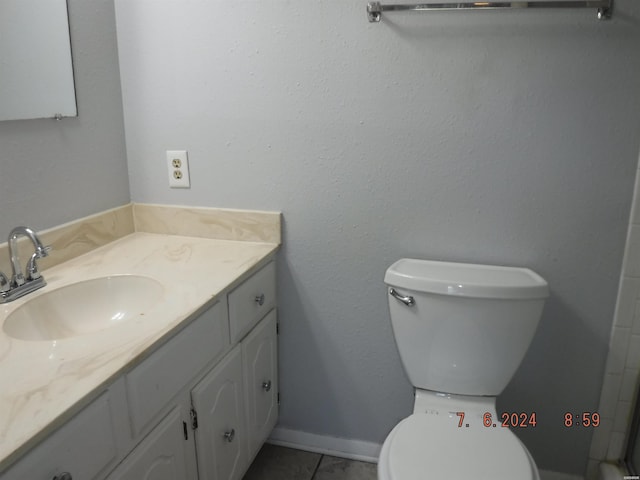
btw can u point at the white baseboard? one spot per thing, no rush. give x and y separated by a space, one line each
337 447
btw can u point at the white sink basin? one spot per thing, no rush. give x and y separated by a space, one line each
84 307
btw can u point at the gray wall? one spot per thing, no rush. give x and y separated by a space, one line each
53 172
490 137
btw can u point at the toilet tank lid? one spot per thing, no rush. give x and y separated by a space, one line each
466 279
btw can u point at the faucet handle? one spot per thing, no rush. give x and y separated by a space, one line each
4 283
43 251
32 268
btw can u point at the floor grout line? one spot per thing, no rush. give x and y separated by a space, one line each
315 470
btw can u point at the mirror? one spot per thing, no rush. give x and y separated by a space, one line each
36 72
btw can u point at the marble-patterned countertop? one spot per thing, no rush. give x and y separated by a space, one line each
44 383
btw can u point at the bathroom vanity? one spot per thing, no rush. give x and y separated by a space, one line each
189 390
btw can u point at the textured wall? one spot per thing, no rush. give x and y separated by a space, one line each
495 137
53 172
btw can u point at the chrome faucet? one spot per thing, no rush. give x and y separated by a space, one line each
17 278
19 285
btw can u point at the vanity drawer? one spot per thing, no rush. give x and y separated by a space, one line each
153 383
251 301
84 447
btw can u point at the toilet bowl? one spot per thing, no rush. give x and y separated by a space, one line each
435 444
461 331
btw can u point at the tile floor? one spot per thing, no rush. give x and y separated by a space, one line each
280 463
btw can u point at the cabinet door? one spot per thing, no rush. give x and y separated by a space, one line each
85 447
163 455
260 364
221 436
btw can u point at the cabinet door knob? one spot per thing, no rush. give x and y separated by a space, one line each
260 299
63 476
266 386
228 436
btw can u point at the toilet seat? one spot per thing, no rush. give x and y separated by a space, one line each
432 446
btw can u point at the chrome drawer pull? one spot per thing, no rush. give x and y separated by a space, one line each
228 436
260 299
266 386
408 300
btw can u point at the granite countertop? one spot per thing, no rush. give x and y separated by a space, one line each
44 383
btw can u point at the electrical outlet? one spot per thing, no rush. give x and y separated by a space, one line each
178 165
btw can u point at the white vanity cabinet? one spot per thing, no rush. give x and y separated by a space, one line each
197 408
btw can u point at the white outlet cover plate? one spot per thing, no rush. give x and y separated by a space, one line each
178 167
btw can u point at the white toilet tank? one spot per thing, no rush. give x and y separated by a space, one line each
463 328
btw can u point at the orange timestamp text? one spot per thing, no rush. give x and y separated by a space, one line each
507 419
582 419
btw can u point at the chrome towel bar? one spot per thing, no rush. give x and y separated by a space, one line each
604 7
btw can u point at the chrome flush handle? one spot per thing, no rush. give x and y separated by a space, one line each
260 299
407 300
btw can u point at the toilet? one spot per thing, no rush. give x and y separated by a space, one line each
461 331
